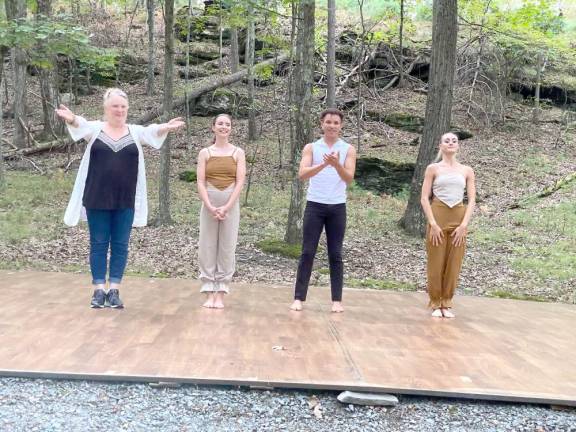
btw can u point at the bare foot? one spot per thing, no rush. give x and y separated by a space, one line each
219 300
337 307
209 303
437 313
296 306
447 313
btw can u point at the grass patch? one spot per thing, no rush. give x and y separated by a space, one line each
548 251
280 247
32 206
485 235
514 296
541 240
147 273
557 261
381 284
323 271
538 164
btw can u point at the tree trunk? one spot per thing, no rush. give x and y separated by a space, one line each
164 217
234 56
49 91
2 169
438 105
3 52
187 71
150 7
220 38
17 9
301 123
400 45
250 45
360 104
331 56
541 66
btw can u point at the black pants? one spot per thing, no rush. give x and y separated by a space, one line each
317 217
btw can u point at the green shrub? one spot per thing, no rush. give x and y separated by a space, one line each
188 176
280 247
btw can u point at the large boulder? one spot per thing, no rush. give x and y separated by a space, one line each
411 123
199 52
382 176
125 67
203 25
220 101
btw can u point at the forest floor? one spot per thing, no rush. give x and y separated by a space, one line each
518 247
525 252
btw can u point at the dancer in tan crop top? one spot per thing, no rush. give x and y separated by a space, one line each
220 175
448 218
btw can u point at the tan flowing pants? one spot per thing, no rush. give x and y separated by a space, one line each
217 245
445 260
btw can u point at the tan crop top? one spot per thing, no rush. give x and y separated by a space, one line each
221 170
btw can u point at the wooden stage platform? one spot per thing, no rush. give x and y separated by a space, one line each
384 342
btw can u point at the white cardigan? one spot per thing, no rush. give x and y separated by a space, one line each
89 130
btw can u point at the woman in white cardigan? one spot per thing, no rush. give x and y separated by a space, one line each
110 187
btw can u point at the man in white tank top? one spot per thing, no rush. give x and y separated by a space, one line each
329 164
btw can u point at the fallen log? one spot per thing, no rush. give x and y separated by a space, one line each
211 85
52 145
559 184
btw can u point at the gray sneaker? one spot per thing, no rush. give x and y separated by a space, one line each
113 298
98 299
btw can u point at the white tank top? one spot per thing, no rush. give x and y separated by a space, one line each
449 188
327 187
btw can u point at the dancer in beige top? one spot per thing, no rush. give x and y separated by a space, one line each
448 218
220 175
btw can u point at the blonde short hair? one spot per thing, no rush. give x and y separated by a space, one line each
114 92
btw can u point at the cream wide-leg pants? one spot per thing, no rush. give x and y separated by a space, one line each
217 245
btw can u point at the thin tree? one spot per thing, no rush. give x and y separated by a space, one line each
49 84
187 72
234 56
360 75
3 52
220 38
540 68
331 56
300 111
164 217
2 168
249 57
150 8
401 46
16 9
438 104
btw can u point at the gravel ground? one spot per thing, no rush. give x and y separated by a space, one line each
47 405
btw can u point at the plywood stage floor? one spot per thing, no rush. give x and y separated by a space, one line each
384 342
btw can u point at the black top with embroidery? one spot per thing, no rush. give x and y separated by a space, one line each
112 174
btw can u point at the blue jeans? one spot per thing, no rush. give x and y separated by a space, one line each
109 229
